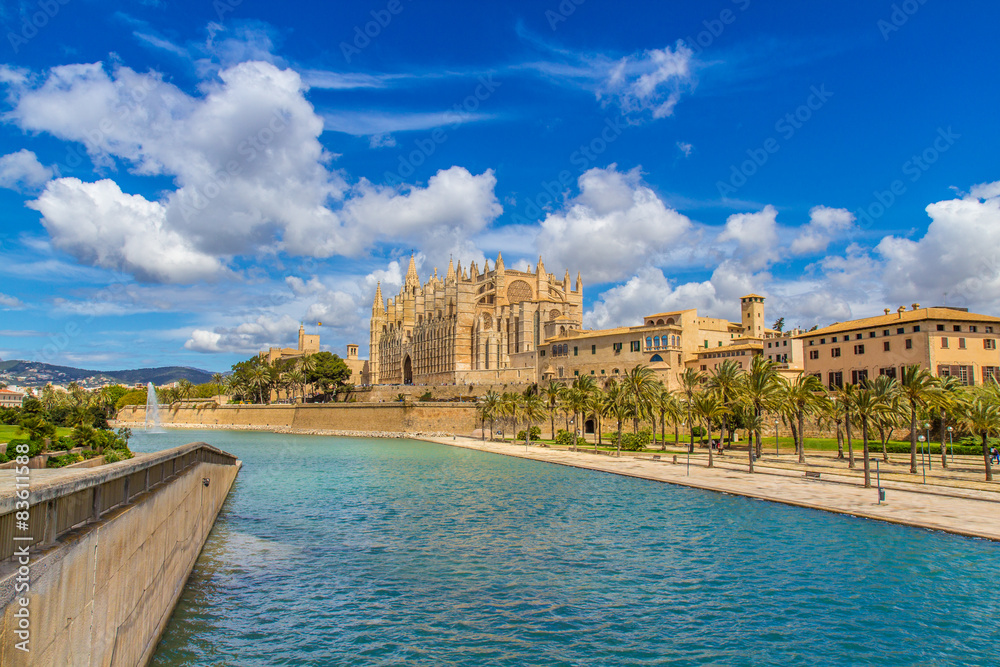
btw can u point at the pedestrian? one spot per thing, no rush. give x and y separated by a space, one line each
994 455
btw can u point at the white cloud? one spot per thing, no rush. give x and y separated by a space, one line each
825 225
246 338
957 255
652 81
22 171
99 224
8 302
755 236
685 148
615 224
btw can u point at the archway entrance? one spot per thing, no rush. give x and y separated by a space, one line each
407 370
588 427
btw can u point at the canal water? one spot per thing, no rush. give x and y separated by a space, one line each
342 551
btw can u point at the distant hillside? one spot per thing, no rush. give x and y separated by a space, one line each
38 374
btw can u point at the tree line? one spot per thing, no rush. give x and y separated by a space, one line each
730 399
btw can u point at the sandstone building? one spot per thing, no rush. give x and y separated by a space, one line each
470 327
946 341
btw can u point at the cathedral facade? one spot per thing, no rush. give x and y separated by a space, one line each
471 327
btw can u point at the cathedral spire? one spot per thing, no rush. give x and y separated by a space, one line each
412 279
579 282
540 269
450 276
500 266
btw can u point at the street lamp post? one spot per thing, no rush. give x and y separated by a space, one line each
951 446
775 437
927 428
683 424
923 465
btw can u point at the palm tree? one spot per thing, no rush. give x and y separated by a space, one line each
726 381
640 384
576 401
845 402
803 397
710 409
950 397
690 381
619 407
982 417
488 409
668 406
867 406
533 411
595 407
511 408
552 393
760 390
307 364
887 389
917 388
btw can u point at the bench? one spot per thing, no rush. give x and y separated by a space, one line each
812 474
656 457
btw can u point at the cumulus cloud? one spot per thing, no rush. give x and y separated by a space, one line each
825 225
245 338
22 171
957 255
615 224
100 225
250 172
755 236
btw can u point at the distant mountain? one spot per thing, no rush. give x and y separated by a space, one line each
36 374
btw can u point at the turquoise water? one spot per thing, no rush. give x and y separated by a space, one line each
338 551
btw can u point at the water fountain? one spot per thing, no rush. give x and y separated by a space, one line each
152 411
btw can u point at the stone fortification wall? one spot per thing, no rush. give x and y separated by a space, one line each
439 392
459 418
104 593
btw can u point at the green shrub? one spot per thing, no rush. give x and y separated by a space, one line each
62 460
89 453
564 437
115 455
62 443
426 397
633 442
534 434
698 431
34 448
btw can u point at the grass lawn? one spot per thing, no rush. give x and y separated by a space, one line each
8 432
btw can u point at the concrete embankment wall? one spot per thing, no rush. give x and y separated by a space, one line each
103 594
457 418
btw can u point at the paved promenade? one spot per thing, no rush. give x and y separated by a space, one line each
969 512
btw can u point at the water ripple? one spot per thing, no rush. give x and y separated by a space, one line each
334 551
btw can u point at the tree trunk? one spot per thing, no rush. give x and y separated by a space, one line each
677 433
795 435
619 452
552 423
663 431
576 423
885 443
690 428
986 457
864 439
944 446
850 444
840 443
802 444
913 438
711 461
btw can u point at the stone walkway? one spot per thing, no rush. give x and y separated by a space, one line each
973 512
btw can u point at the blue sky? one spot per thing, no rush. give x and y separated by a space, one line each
184 182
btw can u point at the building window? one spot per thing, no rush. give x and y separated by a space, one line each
885 333
871 334
916 328
656 342
899 330
940 327
649 342
617 347
991 373
593 349
822 341
836 380
859 349
944 343
814 354
704 367
857 337
973 329
543 353
602 371
889 372
706 343
576 373
961 343
885 346
835 352
957 327
859 377
989 329
592 372
636 346
769 346
576 352
909 344
989 344
833 340
812 342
